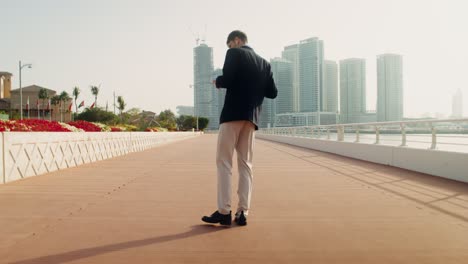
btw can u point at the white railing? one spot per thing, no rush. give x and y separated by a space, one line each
412 145
415 133
26 154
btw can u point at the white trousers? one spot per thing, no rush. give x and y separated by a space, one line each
238 135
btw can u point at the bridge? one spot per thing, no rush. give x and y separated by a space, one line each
307 207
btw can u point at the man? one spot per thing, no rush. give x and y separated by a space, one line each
247 79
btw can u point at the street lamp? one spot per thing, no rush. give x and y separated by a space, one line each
29 65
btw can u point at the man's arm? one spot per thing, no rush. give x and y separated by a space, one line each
229 70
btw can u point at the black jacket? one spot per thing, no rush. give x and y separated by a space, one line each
248 79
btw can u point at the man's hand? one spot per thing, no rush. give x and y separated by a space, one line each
214 83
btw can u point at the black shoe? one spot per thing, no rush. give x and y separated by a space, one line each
240 218
216 217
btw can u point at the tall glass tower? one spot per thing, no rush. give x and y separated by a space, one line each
389 87
352 89
283 103
204 99
330 86
291 53
311 75
283 75
219 95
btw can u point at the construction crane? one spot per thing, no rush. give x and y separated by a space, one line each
197 36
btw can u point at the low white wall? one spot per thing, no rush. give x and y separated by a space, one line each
26 154
450 165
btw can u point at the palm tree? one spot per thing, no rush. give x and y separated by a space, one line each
76 92
64 98
121 104
95 92
43 95
54 100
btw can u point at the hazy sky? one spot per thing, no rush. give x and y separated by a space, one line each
143 49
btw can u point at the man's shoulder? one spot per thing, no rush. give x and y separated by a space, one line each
235 50
248 50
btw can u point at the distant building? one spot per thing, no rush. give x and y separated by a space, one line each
305 119
284 79
5 85
204 99
367 117
31 92
38 108
352 90
218 103
283 76
311 54
147 118
267 113
184 110
330 86
291 53
457 104
389 87
5 91
311 90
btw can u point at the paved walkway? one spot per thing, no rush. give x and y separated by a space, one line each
308 207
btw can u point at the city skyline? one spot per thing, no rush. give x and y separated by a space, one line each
142 50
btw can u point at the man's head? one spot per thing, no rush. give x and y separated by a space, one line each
236 39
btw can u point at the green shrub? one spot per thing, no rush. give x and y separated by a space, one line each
97 115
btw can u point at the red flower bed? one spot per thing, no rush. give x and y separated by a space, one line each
32 125
86 126
12 126
44 125
116 129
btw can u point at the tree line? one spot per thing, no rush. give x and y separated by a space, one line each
135 117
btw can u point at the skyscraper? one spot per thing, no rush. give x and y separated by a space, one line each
267 113
389 87
311 75
352 89
204 100
219 95
283 76
457 104
330 86
184 110
291 53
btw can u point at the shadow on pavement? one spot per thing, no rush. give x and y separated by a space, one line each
94 251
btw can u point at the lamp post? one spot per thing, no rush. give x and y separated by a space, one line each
21 66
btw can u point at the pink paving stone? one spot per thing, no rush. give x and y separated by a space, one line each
307 207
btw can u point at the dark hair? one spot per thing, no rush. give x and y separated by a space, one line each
237 34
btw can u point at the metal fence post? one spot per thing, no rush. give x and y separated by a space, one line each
403 135
357 135
434 137
340 130
377 135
